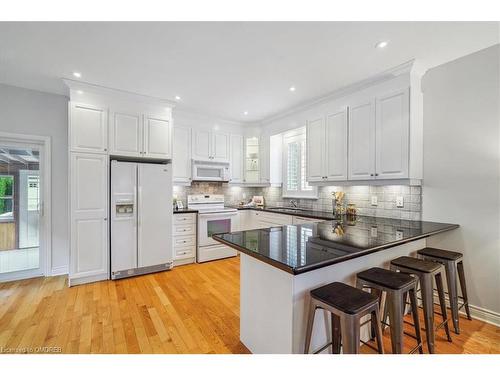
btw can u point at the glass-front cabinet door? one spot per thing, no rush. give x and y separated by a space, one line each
252 162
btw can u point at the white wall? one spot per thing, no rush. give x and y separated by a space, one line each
37 113
462 167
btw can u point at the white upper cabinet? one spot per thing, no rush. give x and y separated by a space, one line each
88 219
392 133
181 158
157 137
316 149
336 145
125 135
252 160
236 150
362 140
211 146
88 128
264 153
220 147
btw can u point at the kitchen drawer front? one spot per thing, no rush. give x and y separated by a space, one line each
185 230
184 252
184 218
182 241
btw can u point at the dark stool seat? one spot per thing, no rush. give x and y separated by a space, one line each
454 269
344 297
387 278
416 264
347 306
439 253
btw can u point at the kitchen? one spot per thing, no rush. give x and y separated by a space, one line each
190 222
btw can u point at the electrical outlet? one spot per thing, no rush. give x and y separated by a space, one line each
374 200
373 231
399 235
399 202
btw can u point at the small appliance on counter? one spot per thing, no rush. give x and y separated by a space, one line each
258 200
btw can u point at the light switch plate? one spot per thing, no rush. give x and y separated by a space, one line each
373 231
374 200
399 202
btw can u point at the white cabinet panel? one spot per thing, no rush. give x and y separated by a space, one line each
220 147
125 134
362 141
264 154
202 140
316 149
181 158
157 138
88 216
336 146
236 160
392 129
88 128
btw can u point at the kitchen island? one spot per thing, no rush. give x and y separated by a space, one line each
280 265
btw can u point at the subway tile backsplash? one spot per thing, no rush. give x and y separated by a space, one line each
359 195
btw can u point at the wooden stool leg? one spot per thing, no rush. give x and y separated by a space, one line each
451 280
416 321
396 321
463 287
442 302
428 307
376 326
310 322
349 326
336 336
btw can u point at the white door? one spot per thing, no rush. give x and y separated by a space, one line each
181 157
123 216
125 135
236 162
336 146
29 208
89 215
220 147
316 149
155 244
392 129
201 149
157 138
88 128
264 156
362 140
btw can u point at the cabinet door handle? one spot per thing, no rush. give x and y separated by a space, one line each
376 174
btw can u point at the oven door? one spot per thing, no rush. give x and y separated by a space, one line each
214 223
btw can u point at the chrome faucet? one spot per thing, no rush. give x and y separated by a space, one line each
293 203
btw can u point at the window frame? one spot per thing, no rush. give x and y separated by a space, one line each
11 197
292 136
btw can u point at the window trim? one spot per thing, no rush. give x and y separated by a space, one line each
300 194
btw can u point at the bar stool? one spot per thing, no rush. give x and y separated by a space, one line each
396 286
452 262
426 271
347 305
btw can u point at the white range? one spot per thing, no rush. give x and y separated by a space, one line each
213 218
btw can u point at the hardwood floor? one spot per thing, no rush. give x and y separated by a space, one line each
191 309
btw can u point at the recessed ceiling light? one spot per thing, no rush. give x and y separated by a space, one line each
177 97
245 113
382 44
79 92
77 74
292 89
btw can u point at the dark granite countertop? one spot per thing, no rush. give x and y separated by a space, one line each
185 211
301 248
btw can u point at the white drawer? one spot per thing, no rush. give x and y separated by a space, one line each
185 252
184 230
184 218
184 241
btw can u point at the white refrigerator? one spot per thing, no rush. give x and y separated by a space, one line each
141 218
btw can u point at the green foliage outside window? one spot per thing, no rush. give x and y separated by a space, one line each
6 192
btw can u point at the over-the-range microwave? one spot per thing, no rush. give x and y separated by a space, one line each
210 171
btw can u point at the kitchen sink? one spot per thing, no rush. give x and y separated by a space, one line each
286 209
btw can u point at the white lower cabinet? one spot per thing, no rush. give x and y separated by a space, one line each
88 218
184 238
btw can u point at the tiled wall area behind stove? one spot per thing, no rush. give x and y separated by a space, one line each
361 197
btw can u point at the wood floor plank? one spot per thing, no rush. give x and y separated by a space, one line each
191 309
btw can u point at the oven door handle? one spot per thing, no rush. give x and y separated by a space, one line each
230 213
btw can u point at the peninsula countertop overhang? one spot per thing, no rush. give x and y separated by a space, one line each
301 248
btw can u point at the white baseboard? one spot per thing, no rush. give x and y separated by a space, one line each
57 271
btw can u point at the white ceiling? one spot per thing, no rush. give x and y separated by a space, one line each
224 69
